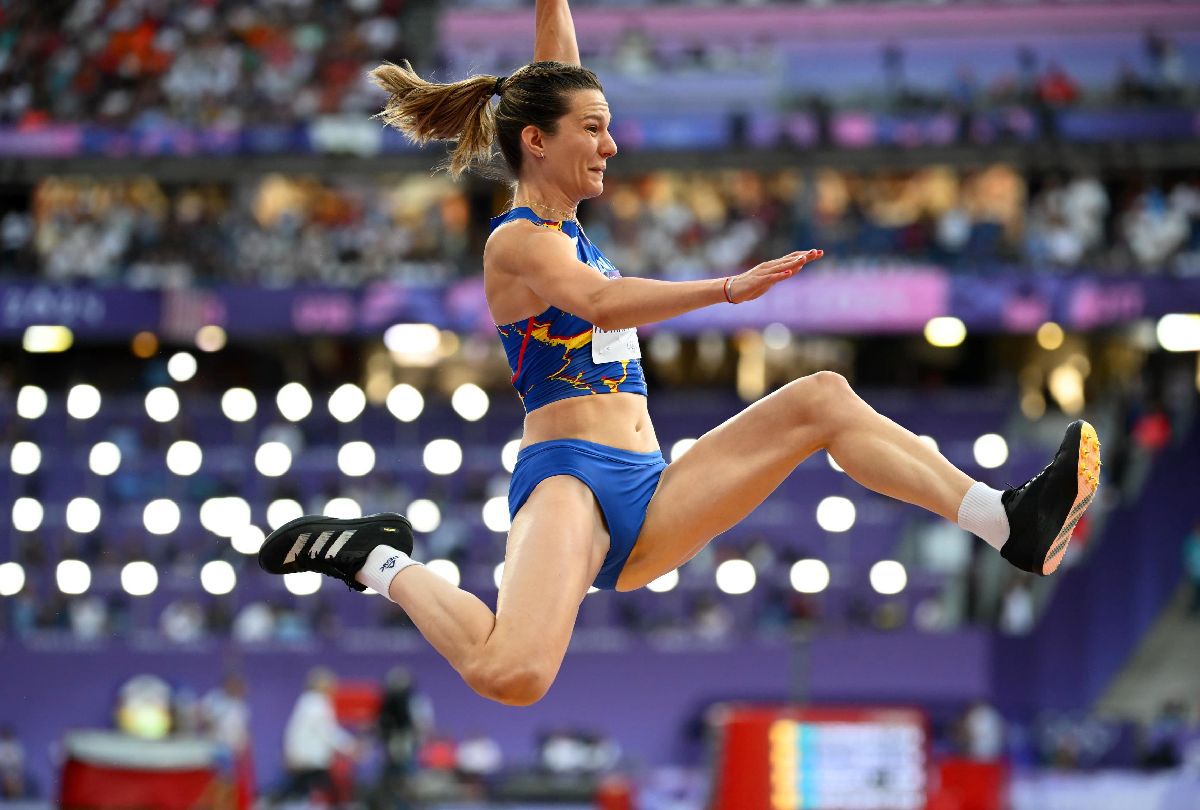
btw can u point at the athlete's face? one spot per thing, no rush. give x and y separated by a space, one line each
577 154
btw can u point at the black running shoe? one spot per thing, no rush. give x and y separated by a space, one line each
332 546
1043 511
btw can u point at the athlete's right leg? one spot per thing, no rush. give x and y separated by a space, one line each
555 548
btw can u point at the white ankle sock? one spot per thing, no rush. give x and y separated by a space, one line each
381 567
982 513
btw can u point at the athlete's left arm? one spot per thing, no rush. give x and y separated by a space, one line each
554 33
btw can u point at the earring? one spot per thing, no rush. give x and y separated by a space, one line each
541 154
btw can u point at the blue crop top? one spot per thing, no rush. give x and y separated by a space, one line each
550 354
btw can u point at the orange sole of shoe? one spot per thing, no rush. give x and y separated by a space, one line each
1088 479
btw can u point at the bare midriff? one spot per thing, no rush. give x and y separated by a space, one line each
618 420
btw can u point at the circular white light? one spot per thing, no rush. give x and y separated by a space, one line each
283 510
1179 332
343 509
224 516
424 515
273 459
26 458
105 458
833 462
666 582
470 402
83 515
356 458
294 402
302 583
680 447
929 440
12 578
835 514
508 454
498 575
83 401
347 402
31 402
412 338
810 576
139 579
776 336
162 404
181 367
74 577
239 404
211 338
445 569
161 516
736 576
991 451
888 577
443 456
27 514
184 458
218 577
248 539
495 514
405 402
945 332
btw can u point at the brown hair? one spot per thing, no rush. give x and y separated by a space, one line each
537 94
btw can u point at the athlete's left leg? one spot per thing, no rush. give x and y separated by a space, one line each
734 467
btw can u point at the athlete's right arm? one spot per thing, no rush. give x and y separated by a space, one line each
546 261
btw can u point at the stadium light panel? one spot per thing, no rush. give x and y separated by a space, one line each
31 402
104 458
184 457
356 458
182 366
343 508
218 577
302 583
736 577
836 514
139 578
347 403
12 579
162 404
83 515
888 577
405 402
679 448
83 401
294 402
470 402
239 404
443 456
495 514
161 516
424 515
25 458
809 576
73 577
273 459
991 451
667 582
27 514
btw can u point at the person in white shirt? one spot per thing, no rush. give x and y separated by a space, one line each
313 738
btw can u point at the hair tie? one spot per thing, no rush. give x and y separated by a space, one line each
498 88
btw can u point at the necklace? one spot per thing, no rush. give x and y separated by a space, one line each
562 215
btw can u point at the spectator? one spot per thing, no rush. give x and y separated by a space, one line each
12 766
1191 566
312 739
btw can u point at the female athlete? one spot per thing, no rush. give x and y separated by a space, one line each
592 499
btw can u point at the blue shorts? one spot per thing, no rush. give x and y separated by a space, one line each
622 481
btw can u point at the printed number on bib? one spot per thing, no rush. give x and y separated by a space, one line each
614 346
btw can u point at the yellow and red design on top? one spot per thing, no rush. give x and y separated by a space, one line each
550 353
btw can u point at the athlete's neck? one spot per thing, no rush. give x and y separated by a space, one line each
547 203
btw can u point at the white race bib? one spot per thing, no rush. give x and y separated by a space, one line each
613 346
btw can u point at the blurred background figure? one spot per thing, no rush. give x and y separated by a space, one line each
312 740
404 719
12 767
225 719
1191 564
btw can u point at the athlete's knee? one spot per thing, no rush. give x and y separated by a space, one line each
820 404
513 683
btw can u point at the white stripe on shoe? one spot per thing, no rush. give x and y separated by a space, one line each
297 547
322 539
343 538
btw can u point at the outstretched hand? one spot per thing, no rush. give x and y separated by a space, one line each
762 277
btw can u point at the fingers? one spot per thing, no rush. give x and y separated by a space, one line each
786 265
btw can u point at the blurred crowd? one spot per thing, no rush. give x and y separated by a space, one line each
269 62
285 230
209 63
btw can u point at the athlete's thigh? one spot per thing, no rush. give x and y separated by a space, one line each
555 549
726 474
